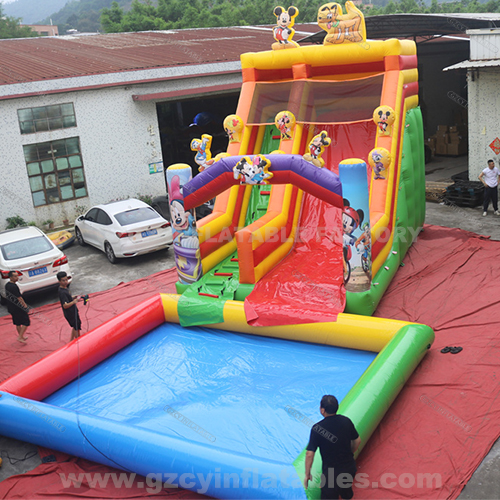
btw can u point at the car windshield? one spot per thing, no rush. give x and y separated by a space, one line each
136 215
25 248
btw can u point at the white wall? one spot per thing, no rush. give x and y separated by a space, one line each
484 113
118 139
484 44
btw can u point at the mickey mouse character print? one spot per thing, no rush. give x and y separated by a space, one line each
253 171
283 32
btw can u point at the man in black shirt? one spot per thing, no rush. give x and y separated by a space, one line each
17 306
337 440
68 303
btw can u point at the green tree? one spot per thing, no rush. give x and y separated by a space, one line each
409 6
434 9
142 17
88 21
178 14
170 10
112 18
390 8
72 22
10 27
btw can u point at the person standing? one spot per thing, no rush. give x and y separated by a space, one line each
17 306
489 177
337 440
68 303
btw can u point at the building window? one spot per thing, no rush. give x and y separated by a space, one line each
55 171
46 118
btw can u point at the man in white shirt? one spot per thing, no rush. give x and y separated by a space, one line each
489 177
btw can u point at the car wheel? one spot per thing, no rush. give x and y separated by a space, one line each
79 237
109 253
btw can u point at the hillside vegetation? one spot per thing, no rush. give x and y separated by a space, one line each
176 14
136 15
9 27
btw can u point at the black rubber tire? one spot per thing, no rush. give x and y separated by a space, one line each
364 265
79 237
108 249
348 274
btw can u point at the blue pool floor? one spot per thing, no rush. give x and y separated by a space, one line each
243 393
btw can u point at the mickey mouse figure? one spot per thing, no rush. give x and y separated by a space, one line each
351 220
283 32
384 117
382 124
183 221
254 171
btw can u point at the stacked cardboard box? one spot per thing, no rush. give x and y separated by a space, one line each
431 142
458 141
449 141
441 139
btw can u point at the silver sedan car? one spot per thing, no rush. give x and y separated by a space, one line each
124 229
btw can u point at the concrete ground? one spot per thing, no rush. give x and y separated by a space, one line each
441 169
92 273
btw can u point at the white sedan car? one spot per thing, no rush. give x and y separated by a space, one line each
123 229
34 256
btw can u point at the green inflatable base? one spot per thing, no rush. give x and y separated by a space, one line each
410 216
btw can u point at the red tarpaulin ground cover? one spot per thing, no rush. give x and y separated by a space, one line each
443 422
49 330
446 418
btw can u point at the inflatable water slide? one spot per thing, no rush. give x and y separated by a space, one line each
318 198
363 97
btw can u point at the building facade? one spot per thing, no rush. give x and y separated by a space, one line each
483 98
80 139
43 29
86 119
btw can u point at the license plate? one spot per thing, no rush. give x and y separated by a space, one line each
151 232
36 272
